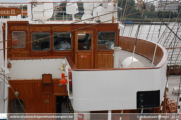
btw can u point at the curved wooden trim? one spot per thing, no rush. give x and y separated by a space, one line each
72 65
143 48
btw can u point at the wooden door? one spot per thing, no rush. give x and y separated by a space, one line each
84 50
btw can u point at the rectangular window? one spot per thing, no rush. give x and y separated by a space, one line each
40 41
84 41
19 39
106 40
62 41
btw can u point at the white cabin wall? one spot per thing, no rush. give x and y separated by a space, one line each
33 69
114 89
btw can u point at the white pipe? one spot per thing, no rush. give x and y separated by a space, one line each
154 56
5 66
2 65
133 56
109 115
73 17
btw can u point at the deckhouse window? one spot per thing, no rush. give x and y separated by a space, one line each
106 40
40 41
62 41
84 41
19 39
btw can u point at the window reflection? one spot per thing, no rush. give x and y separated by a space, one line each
62 41
19 39
106 40
41 44
84 41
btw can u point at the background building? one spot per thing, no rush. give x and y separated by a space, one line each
171 7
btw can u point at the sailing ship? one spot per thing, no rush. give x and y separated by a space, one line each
84 63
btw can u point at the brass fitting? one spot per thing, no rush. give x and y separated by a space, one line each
62 68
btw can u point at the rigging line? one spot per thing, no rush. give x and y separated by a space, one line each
137 32
60 2
169 34
125 20
131 29
162 19
61 6
13 90
174 36
164 32
140 30
150 28
170 64
129 13
68 24
87 19
154 30
166 25
178 56
64 32
124 9
178 95
175 40
79 28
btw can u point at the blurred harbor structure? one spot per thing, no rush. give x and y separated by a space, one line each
170 7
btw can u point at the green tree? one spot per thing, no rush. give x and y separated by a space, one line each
80 5
179 7
130 3
152 8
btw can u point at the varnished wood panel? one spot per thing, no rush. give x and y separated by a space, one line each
84 62
67 28
143 47
39 28
32 94
105 60
51 28
84 59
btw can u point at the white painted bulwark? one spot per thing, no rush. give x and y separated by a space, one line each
33 69
115 89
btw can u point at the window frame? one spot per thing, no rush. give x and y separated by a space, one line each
53 41
41 50
20 36
98 36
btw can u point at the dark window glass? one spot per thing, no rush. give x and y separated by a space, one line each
16 107
106 40
19 39
84 41
62 41
40 41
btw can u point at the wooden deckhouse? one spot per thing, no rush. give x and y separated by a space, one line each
42 98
